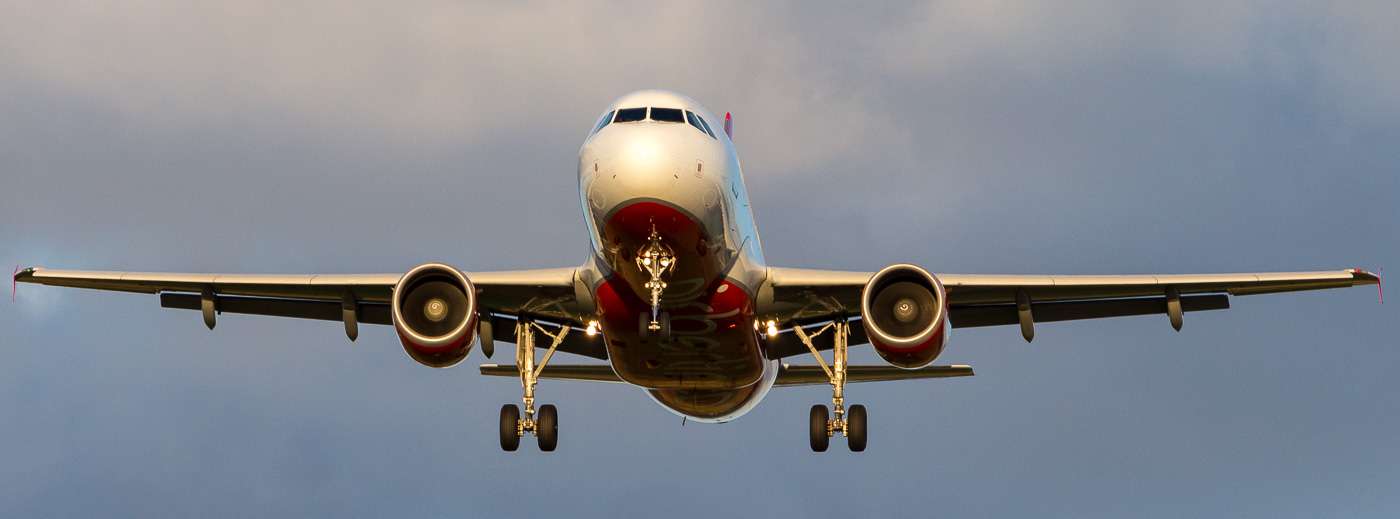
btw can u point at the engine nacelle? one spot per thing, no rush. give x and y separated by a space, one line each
905 313
434 310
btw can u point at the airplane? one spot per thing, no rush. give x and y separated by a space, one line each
675 296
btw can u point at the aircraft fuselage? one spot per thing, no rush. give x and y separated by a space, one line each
680 180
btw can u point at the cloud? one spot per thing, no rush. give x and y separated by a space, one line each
1064 137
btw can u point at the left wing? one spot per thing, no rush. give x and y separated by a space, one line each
550 294
801 296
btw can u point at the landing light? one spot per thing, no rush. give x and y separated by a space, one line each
772 328
592 328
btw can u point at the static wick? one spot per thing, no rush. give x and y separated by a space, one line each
1378 284
14 284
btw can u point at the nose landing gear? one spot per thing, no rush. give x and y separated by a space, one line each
662 327
850 424
545 427
656 259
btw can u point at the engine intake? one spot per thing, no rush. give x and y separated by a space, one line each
905 313
434 309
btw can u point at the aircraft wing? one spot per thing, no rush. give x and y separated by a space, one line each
548 294
801 296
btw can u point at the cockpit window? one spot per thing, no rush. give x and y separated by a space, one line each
707 127
604 122
695 121
630 115
662 115
666 115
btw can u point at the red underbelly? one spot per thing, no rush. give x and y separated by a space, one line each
713 343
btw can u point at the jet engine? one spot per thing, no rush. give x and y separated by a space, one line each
905 313
434 309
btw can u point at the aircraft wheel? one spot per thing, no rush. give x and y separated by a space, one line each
547 428
817 426
510 427
855 428
643 328
665 322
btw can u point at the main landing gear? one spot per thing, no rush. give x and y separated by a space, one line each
850 424
545 424
656 259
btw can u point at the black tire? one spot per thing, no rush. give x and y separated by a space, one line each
510 426
817 426
665 323
855 428
547 428
643 328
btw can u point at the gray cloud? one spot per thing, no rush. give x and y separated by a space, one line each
1065 137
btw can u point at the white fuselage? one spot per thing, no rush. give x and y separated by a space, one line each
665 172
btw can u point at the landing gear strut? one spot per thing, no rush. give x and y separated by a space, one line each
545 427
656 259
850 424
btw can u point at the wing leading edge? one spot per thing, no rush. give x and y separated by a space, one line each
789 296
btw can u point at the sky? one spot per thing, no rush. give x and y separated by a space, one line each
1061 137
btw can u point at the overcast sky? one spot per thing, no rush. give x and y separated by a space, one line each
976 137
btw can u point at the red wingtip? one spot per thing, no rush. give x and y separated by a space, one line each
1378 284
14 284
728 126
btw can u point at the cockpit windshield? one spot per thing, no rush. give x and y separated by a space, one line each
631 115
661 115
657 114
666 115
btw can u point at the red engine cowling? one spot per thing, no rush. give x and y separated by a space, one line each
905 313
434 310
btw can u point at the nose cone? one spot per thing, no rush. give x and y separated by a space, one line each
646 168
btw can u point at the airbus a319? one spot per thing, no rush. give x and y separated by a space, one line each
675 296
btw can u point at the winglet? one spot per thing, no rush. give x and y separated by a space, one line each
1361 277
728 126
26 273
